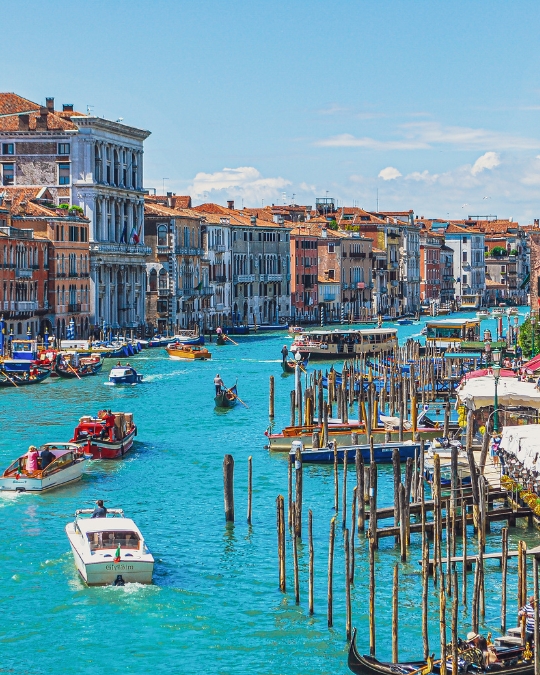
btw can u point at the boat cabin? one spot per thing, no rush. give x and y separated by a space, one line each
107 534
65 454
447 333
24 350
342 343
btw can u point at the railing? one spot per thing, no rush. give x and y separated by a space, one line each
20 306
136 249
23 273
162 250
73 273
357 254
245 278
163 292
188 250
218 248
74 307
206 290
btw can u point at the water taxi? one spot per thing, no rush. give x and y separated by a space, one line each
105 549
67 467
124 375
340 344
188 352
104 436
452 333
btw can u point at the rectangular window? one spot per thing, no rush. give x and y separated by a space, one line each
331 274
63 174
8 149
331 248
8 174
64 148
464 278
464 256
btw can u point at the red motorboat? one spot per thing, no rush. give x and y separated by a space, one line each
106 436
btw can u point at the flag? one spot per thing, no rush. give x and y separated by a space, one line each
199 286
117 555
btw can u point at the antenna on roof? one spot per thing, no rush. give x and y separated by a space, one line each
377 200
89 109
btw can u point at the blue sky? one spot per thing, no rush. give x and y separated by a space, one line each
433 104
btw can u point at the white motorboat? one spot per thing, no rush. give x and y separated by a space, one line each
107 548
67 467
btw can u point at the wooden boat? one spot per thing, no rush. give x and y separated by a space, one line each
107 548
221 339
343 344
188 352
511 661
227 398
22 378
189 337
382 452
67 467
101 442
289 365
85 366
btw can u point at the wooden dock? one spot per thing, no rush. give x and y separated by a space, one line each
472 559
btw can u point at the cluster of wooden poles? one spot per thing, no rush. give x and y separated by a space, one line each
397 393
445 577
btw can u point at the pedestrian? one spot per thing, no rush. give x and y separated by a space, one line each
99 511
218 383
32 459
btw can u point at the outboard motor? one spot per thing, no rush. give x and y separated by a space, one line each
119 581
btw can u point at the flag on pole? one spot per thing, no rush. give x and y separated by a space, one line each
116 558
199 286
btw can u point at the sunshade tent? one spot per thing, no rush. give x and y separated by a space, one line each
522 443
479 392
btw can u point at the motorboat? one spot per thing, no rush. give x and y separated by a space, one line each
382 452
188 352
124 375
67 467
102 441
404 322
189 337
110 550
483 314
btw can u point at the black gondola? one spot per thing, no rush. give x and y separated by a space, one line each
510 662
66 370
22 379
227 398
221 339
289 365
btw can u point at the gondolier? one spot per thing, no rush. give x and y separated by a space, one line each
218 383
284 353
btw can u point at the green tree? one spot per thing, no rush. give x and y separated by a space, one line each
525 338
332 225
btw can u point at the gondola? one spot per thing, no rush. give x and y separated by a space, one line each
84 369
289 365
227 398
511 662
23 378
221 339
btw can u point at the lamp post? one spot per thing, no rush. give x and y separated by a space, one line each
496 374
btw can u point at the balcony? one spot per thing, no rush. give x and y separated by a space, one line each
245 278
220 279
162 250
73 273
188 250
74 308
19 306
218 248
357 255
23 273
163 292
206 290
133 249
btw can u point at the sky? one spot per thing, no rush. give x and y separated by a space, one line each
409 104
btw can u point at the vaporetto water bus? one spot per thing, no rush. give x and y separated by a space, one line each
340 344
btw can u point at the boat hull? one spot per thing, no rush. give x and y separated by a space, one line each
280 443
17 380
103 449
26 484
130 379
381 454
225 400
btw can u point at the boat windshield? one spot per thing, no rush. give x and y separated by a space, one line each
100 541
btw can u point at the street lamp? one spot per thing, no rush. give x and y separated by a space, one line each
496 374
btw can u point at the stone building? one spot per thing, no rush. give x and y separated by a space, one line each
96 164
178 293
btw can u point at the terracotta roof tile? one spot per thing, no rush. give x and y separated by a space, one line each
11 104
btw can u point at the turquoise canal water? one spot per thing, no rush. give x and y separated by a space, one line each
215 606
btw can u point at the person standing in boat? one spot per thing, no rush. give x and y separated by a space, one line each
47 458
218 383
218 330
32 459
99 511
528 611
284 353
109 424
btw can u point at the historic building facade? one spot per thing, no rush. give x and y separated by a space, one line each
96 164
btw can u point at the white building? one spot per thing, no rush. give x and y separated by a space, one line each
96 164
469 267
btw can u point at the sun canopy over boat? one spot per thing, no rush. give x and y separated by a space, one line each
479 392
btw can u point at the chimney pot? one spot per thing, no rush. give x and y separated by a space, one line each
67 107
49 102
230 204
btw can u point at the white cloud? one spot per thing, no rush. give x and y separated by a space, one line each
244 181
427 135
390 173
423 176
306 187
487 161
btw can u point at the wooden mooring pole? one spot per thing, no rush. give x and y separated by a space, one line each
280 507
271 398
228 487
331 572
311 562
250 489
395 609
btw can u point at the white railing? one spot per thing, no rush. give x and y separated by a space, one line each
120 248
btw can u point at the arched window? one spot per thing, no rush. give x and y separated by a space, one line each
162 235
153 280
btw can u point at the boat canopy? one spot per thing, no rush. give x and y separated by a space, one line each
121 372
523 443
106 524
463 355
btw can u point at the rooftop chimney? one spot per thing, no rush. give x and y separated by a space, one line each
537 222
49 102
253 220
230 204
67 107
41 121
24 122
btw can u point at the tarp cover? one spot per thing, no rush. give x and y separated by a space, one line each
524 443
479 392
